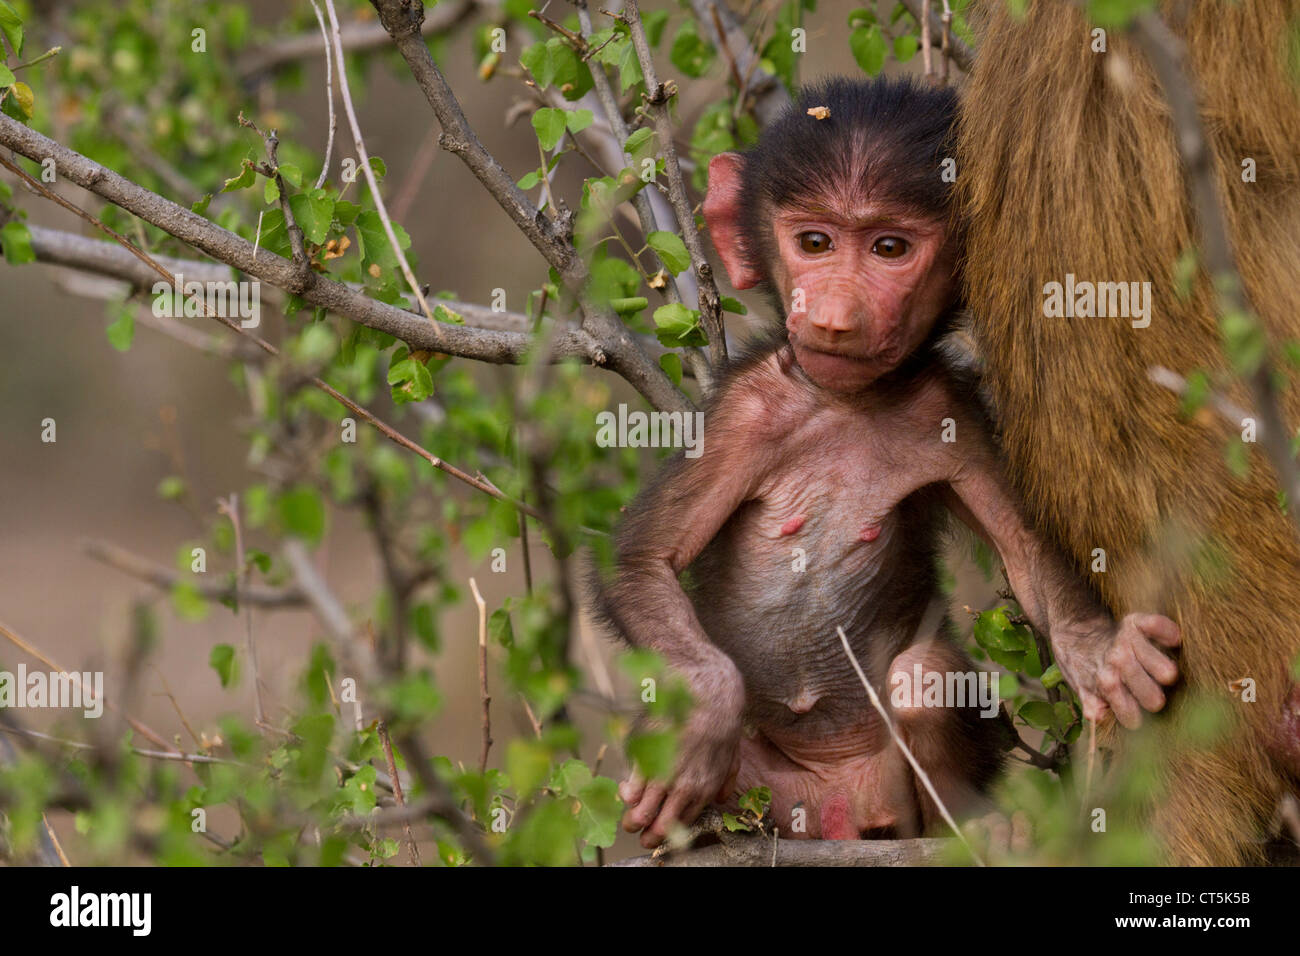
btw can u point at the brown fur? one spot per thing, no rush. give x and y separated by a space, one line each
1065 168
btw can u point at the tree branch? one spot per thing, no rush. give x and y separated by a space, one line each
165 578
768 92
617 348
757 851
357 38
234 250
961 54
658 96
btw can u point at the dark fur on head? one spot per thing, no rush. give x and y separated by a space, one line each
882 137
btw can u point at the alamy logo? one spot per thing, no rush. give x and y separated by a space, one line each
639 429
229 299
84 691
945 689
74 908
1085 300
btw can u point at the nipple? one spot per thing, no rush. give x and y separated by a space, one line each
869 533
793 525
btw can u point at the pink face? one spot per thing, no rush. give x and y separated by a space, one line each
862 287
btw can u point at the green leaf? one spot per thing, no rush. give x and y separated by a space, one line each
652 753
373 240
756 800
247 176
599 809
21 95
638 141
121 331
201 206
529 763
678 326
1038 714
12 27
17 241
171 488
861 17
303 513
378 167
549 124
905 47
578 120
734 824
7 77
270 192
733 305
868 46
690 54
1244 342
1052 677
290 174
671 249
531 179
671 363
188 602
222 660
314 212
570 777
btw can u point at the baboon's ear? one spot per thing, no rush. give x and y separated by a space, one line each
722 207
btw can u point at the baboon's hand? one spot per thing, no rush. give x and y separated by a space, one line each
1120 671
707 763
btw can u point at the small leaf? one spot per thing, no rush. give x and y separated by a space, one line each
671 363
171 488
678 326
121 331
671 250
313 213
549 123
733 305
905 47
868 46
17 242
578 120
291 174
247 176
222 660
23 98
303 513
12 26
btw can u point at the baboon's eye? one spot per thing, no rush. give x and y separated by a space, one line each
814 243
889 247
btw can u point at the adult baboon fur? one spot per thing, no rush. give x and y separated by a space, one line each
1067 164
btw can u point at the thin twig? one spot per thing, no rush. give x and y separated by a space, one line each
139 727
138 751
961 54
657 98
474 481
165 578
364 158
486 699
1167 55
329 96
907 751
413 852
230 508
